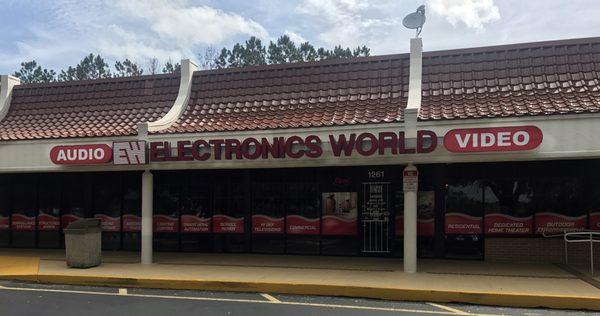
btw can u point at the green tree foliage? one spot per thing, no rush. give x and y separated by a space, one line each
171 67
31 72
127 68
90 67
284 50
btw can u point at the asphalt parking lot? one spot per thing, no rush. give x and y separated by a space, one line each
17 298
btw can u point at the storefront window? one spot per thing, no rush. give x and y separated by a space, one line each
24 212
77 197
166 211
339 209
303 224
559 205
107 208
132 203
4 210
49 196
268 212
508 207
231 206
196 213
463 219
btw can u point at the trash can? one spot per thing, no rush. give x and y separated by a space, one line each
83 243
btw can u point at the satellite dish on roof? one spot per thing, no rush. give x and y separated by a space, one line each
415 20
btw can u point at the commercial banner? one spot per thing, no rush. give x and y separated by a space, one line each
109 223
595 221
262 224
339 213
460 223
300 225
67 219
4 223
22 223
502 224
49 223
195 224
425 215
132 223
227 224
552 223
511 138
165 224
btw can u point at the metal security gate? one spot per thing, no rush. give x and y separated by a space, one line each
376 218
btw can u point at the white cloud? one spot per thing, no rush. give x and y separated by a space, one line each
295 37
473 13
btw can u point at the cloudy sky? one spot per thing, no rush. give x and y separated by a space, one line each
59 33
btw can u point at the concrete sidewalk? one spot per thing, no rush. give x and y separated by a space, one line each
519 285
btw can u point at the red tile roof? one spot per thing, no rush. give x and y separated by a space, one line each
107 107
341 92
545 78
559 77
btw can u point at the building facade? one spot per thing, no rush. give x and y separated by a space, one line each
309 158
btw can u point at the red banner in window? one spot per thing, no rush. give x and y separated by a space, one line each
132 223
4 223
502 224
425 227
47 222
595 221
228 224
22 223
300 225
336 225
68 219
553 223
165 224
195 224
109 223
262 224
459 223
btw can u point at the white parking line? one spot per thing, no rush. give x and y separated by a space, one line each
192 298
270 298
450 309
122 291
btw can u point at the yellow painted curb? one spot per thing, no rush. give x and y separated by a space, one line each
483 298
19 268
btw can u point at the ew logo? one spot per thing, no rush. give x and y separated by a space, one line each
129 153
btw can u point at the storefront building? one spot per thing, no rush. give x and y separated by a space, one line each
310 158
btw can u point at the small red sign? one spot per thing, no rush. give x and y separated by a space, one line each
300 225
23 223
228 224
336 225
502 224
165 224
68 219
195 224
81 154
554 223
262 224
47 222
513 138
132 223
459 223
109 223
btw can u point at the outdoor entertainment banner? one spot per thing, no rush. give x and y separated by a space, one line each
195 224
339 213
300 225
262 224
227 224
67 219
552 223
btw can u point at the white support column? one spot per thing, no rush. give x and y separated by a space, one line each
7 83
147 215
410 218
